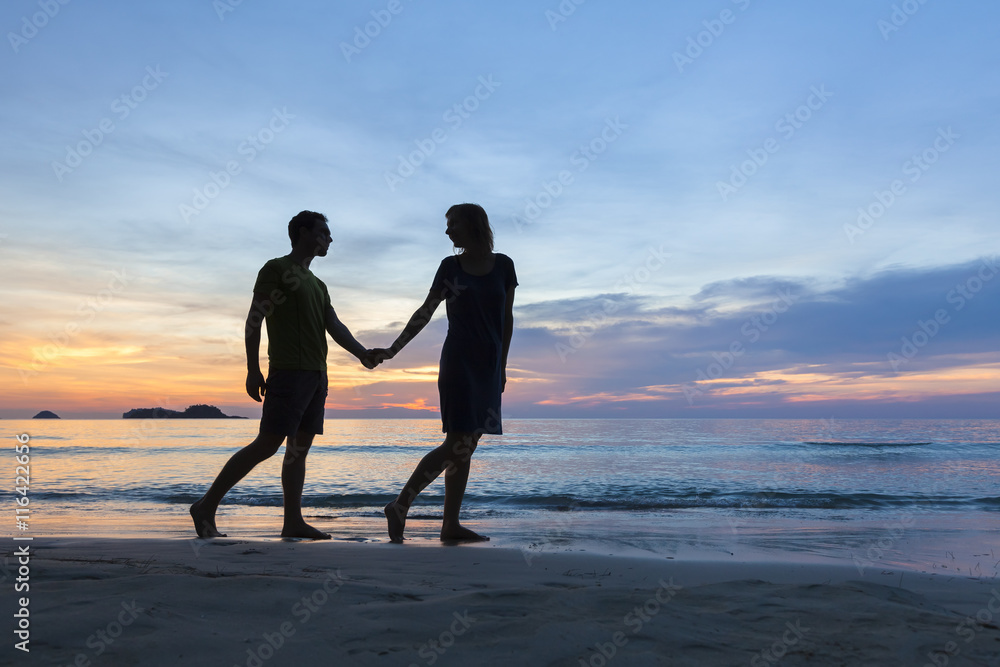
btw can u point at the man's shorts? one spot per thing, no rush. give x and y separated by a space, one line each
293 401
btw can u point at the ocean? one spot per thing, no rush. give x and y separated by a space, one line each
918 493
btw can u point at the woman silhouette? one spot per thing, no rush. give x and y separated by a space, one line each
478 288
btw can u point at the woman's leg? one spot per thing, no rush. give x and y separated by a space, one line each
455 479
453 455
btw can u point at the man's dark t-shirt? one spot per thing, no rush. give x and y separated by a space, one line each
296 315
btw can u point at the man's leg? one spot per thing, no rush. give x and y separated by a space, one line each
293 475
239 466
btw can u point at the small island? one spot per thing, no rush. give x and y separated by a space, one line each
45 414
192 412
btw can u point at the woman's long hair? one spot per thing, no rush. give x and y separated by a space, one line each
475 221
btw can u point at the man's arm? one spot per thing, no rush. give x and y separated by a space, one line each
508 332
255 318
342 336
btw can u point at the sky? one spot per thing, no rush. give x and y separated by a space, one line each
725 208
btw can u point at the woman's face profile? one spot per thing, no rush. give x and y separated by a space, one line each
455 232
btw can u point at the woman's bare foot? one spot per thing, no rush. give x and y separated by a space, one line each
458 533
204 521
305 531
395 515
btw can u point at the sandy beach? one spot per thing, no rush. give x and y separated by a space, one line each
253 602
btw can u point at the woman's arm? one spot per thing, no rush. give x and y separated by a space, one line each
508 332
417 322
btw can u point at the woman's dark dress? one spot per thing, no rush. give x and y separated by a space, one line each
469 381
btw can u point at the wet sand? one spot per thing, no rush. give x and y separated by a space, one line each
256 601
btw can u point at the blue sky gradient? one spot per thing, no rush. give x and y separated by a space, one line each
661 173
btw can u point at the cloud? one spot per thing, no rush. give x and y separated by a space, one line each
585 261
773 338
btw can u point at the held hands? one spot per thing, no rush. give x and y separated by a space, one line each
375 356
369 360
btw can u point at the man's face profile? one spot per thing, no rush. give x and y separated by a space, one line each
319 238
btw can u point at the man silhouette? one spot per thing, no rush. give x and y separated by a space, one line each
297 309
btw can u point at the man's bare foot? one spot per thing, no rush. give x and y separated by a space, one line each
204 521
459 533
395 515
304 531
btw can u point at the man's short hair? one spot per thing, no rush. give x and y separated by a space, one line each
307 219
